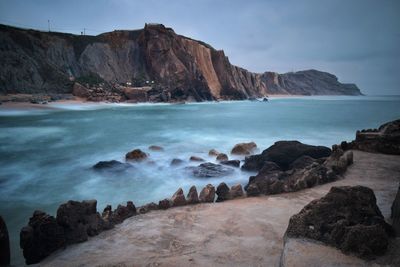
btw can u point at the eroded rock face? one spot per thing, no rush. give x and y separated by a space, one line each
347 218
385 139
192 196
4 244
284 153
207 194
396 213
178 199
208 169
136 155
244 148
79 220
41 237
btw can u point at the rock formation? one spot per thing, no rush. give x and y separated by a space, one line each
207 194
244 148
4 244
223 192
112 165
396 213
347 218
208 169
178 199
192 197
151 64
385 139
136 155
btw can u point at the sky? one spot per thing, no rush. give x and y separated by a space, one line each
357 40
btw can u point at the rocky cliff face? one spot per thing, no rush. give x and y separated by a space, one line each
182 68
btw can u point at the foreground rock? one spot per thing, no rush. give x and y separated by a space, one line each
385 139
244 148
192 196
136 155
223 192
208 169
284 153
347 218
207 194
4 244
396 213
112 165
41 237
178 199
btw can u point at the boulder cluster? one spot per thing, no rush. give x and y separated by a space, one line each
289 166
346 218
385 139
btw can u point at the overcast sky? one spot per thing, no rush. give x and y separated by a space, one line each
357 40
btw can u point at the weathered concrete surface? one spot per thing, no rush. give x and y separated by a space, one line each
241 232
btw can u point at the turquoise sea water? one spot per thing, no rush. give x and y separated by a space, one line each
46 155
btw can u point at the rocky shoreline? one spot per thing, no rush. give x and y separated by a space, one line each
286 166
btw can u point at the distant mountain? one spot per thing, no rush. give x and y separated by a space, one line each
50 62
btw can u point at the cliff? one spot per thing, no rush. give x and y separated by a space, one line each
175 66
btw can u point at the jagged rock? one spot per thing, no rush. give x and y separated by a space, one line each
283 153
124 212
136 155
237 191
80 90
207 194
176 162
164 204
4 244
79 220
252 190
244 148
223 192
107 217
148 207
213 152
222 157
112 165
347 218
302 162
41 237
269 167
233 163
396 213
194 158
192 196
178 199
385 139
209 169
156 148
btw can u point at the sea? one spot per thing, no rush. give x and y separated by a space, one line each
46 155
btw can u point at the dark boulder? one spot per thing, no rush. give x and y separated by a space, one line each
195 158
4 244
156 148
233 163
244 148
346 218
213 152
208 169
252 190
178 199
176 162
79 220
302 162
396 213
136 155
148 207
164 204
41 237
222 157
223 192
123 212
207 194
283 153
237 191
192 196
111 165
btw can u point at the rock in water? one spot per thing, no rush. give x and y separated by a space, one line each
112 165
223 192
79 220
176 162
244 148
192 196
396 213
283 153
178 199
209 169
156 148
41 237
233 163
213 152
136 155
194 158
222 157
236 191
207 194
347 218
4 244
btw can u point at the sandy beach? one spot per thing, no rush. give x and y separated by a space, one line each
242 232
